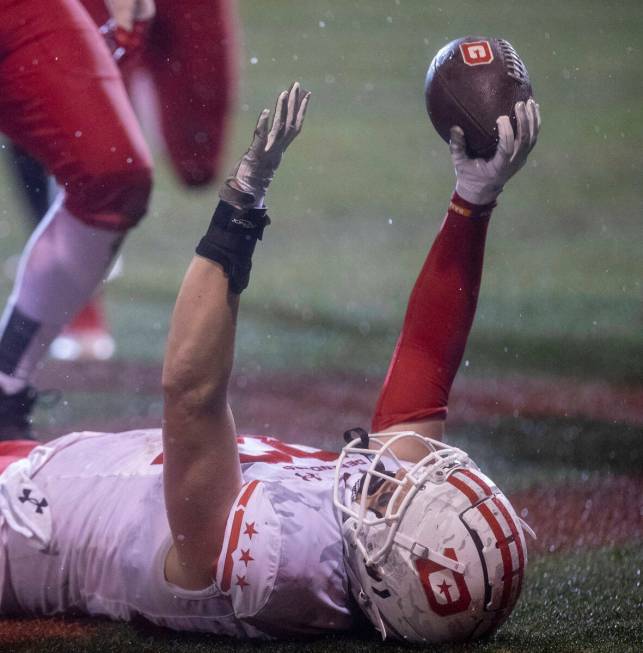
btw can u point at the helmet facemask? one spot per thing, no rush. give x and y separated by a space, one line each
400 521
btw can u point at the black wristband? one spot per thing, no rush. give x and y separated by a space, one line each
230 241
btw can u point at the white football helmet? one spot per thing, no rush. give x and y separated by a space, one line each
433 550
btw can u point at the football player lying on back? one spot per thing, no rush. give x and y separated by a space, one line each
210 531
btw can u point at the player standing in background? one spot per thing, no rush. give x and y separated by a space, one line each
63 102
188 50
253 537
177 46
87 336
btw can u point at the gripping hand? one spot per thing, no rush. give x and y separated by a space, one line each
479 181
246 187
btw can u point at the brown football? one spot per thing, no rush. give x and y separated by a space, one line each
471 82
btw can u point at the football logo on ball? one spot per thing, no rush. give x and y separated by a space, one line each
470 83
476 53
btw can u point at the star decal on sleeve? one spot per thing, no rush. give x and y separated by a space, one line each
250 529
444 589
242 582
245 556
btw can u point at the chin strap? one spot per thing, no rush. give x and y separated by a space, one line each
357 432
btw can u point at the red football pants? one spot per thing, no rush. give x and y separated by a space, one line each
63 101
190 54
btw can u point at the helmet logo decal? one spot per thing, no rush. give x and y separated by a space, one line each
446 591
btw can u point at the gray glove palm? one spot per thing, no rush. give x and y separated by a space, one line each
479 181
246 187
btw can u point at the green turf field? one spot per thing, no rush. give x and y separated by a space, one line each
355 207
361 195
362 192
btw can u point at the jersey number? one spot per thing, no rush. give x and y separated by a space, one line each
276 451
265 449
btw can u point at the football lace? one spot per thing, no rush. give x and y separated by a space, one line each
514 65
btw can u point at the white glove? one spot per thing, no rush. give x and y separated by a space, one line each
246 187
127 12
479 181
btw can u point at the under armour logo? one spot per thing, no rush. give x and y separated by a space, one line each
26 496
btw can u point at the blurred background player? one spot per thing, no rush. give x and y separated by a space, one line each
63 101
188 53
87 336
164 54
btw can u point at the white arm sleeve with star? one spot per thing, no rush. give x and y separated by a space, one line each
249 560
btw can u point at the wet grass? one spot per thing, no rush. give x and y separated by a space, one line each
585 601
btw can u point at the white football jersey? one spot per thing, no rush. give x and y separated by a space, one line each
83 526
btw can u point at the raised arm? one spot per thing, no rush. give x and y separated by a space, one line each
443 302
202 474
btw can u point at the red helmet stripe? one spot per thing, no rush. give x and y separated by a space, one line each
501 543
516 538
496 529
477 480
464 488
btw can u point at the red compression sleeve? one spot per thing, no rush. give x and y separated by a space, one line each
437 322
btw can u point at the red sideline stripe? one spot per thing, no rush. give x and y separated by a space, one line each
516 537
235 533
